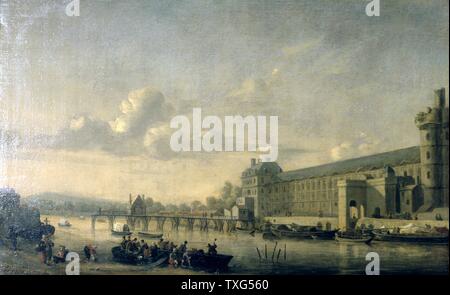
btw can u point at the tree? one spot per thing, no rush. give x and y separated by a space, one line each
148 202
195 205
157 207
211 203
171 208
184 207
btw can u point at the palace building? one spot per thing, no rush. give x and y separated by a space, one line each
405 181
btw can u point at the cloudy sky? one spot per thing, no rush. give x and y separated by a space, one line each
86 102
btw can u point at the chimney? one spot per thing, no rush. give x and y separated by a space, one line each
439 98
253 162
130 199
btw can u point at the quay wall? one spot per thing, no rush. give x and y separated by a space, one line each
390 223
303 220
376 222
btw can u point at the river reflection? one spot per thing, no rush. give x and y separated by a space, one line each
302 257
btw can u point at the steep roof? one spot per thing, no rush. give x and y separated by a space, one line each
393 158
261 167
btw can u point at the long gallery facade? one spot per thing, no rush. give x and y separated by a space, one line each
410 180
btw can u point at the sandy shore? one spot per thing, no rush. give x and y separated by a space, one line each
26 261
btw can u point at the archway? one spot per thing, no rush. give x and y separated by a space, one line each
361 211
376 213
353 209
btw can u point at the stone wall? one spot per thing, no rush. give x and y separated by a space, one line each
303 220
377 222
390 223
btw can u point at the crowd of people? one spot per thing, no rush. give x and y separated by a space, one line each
179 254
45 249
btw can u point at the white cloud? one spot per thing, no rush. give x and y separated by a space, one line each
77 123
363 145
142 108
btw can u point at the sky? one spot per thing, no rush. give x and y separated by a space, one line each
86 101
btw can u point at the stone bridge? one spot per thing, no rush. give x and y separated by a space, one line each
189 222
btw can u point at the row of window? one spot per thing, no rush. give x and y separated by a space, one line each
428 136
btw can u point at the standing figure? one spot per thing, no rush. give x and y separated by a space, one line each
49 250
41 250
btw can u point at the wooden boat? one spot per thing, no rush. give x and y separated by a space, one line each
245 231
209 262
324 235
420 238
121 229
64 222
150 235
353 238
121 255
283 231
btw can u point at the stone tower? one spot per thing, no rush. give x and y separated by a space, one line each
433 126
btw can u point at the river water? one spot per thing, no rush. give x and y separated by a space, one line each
302 256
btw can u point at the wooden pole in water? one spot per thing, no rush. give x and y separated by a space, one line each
259 254
265 250
284 252
278 256
274 249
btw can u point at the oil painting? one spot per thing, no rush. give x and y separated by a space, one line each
199 137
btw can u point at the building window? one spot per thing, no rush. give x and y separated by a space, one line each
428 155
428 174
405 173
427 136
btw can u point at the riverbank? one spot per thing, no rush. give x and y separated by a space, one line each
26 261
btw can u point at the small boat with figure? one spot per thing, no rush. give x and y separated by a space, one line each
288 232
245 231
324 234
121 229
64 222
150 235
353 237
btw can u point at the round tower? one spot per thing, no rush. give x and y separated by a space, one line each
444 141
430 124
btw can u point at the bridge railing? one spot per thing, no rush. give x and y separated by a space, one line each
123 213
